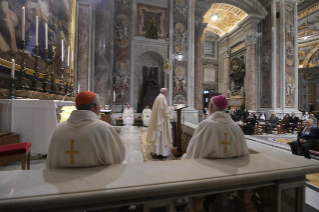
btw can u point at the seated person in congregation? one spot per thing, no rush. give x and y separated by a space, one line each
146 116
128 116
272 122
311 116
293 123
307 139
248 129
84 140
218 136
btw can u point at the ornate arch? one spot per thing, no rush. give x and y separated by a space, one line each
309 55
147 56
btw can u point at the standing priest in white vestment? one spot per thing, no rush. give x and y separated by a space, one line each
84 140
146 116
218 136
159 130
128 116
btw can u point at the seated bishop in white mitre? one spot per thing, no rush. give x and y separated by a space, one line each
218 136
128 116
146 116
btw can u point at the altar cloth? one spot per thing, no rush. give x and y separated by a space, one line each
34 120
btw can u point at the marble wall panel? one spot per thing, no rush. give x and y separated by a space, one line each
278 64
290 55
265 84
83 47
103 50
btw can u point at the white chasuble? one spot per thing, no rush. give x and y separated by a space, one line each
217 137
84 141
128 117
146 116
159 130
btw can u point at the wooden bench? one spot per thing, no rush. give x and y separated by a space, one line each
19 151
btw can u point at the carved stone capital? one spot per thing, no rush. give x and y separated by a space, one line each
251 38
226 52
199 28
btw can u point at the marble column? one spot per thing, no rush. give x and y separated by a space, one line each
198 93
251 85
226 80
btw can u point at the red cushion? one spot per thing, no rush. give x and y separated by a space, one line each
14 149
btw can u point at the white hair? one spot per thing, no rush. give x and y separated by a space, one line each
163 90
310 120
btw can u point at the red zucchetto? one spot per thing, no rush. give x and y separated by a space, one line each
220 101
84 97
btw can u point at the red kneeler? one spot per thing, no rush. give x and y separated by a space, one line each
18 151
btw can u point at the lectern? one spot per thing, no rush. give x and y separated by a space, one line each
178 152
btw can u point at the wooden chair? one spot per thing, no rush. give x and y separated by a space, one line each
18 151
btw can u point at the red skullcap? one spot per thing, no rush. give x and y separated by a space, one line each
84 97
220 101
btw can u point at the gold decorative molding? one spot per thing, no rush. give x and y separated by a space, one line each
228 18
309 55
309 10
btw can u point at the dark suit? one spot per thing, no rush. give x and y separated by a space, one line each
293 123
248 129
305 147
272 122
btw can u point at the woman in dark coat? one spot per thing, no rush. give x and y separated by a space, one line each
307 139
248 129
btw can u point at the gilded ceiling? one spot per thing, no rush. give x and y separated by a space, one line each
228 17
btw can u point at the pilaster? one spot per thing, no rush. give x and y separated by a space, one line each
226 52
198 90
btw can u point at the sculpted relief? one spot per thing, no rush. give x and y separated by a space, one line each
124 3
290 53
179 78
180 10
290 28
180 37
266 57
122 31
290 85
121 73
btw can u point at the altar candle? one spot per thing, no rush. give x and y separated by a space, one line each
12 68
72 60
46 35
36 30
79 88
69 56
62 50
23 23
114 96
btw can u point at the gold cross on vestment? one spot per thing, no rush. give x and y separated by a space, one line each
226 143
72 152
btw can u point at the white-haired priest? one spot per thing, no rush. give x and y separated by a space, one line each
159 130
128 116
84 140
218 136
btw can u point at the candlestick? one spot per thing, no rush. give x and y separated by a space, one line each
23 82
36 30
54 88
12 68
62 87
23 23
36 83
11 87
62 50
68 64
46 35
46 84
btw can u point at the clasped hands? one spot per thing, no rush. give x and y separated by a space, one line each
302 140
